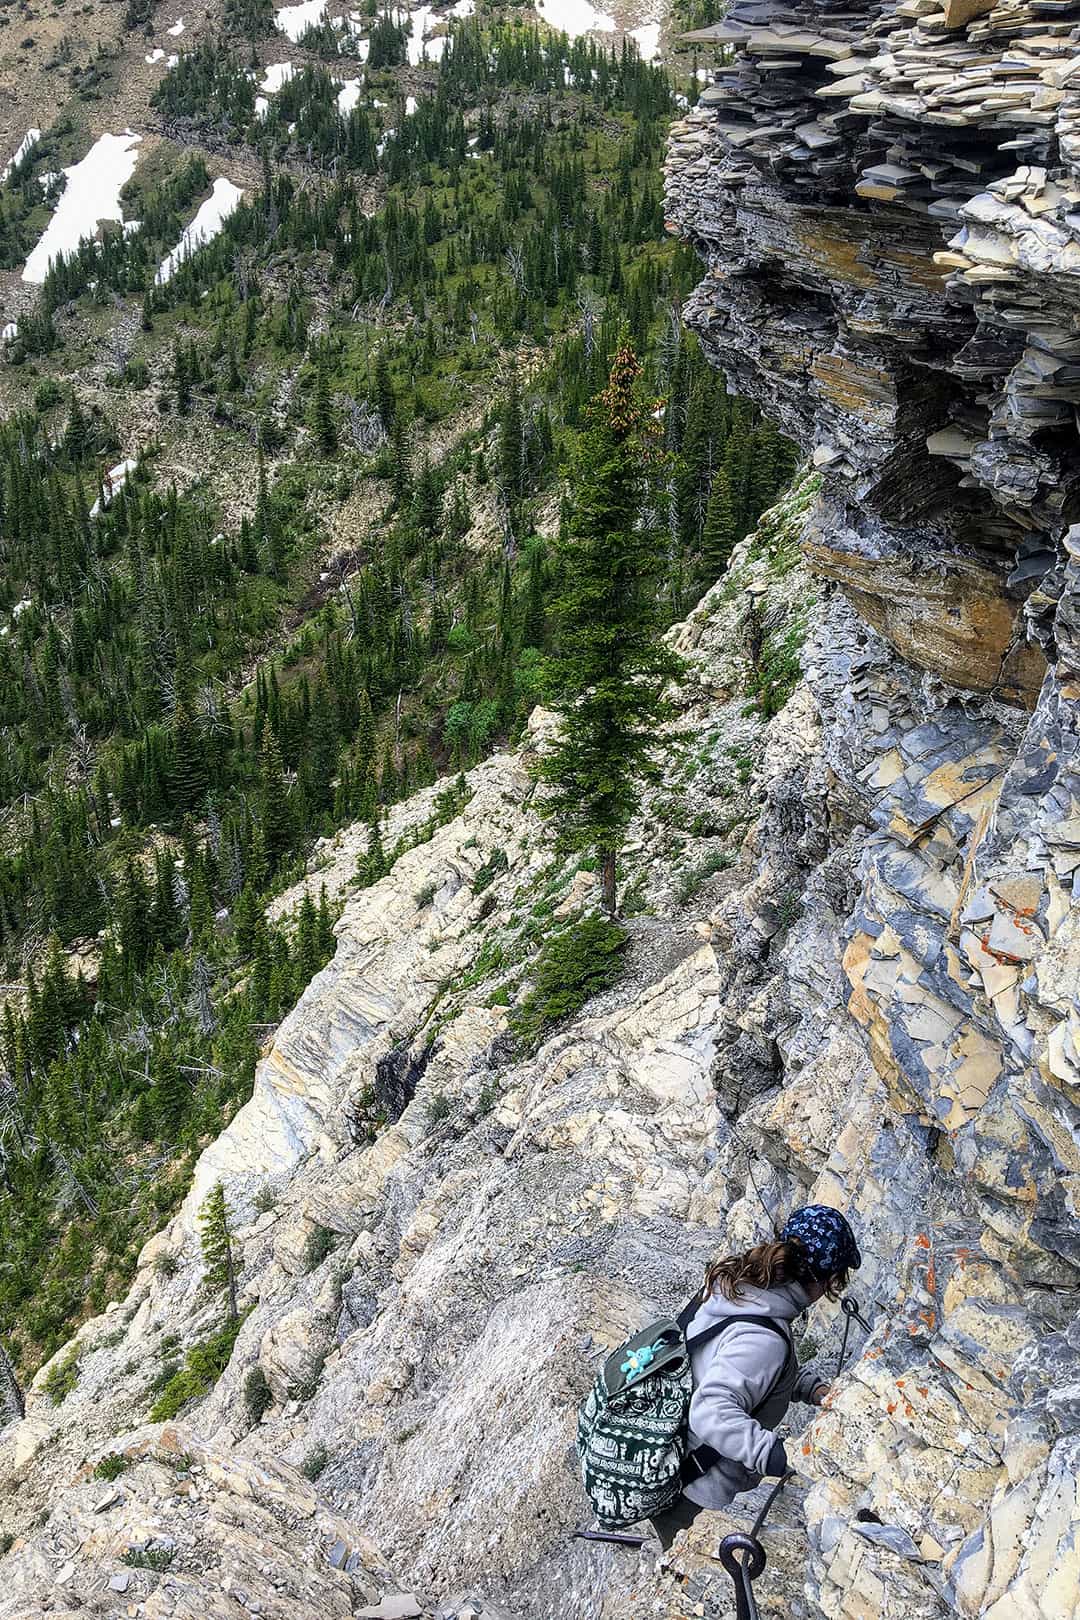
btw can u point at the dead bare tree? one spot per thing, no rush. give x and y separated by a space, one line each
515 269
587 304
12 1403
364 425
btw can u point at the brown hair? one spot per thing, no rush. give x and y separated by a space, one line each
767 1265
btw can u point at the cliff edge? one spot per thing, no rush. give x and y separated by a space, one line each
886 200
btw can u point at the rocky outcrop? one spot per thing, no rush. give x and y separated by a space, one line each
439 1232
886 202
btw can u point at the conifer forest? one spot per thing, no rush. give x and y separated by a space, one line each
283 531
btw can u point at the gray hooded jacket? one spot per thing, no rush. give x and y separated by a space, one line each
732 1375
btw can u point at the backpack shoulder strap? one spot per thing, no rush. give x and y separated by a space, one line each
716 1328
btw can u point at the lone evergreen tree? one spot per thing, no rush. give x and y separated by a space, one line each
720 532
188 776
217 1244
322 415
608 674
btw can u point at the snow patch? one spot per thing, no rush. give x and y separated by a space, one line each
10 332
419 48
348 96
27 144
576 17
156 55
204 227
112 484
277 74
177 28
292 20
21 607
410 106
648 40
92 194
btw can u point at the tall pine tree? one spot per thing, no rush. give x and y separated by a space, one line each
608 674
217 1245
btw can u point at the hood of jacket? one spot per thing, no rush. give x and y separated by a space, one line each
784 1302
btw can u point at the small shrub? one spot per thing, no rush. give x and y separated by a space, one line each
486 1098
166 1265
151 1557
789 908
163 1378
258 1395
439 1107
315 1461
495 863
305 1389
573 966
62 1378
692 881
47 395
265 1200
423 897
778 667
112 1465
203 1366
633 900
321 1241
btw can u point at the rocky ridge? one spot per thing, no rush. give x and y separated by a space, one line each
886 201
852 976
439 1233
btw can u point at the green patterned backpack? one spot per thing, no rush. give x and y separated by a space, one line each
633 1426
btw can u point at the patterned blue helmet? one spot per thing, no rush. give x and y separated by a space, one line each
827 1238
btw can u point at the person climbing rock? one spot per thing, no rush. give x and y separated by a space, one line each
746 1377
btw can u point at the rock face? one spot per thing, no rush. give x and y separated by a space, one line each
439 1234
888 204
852 975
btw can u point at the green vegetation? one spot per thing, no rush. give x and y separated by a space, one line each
203 1366
573 965
315 1462
718 861
776 665
321 1241
610 666
156 1558
112 1465
393 340
258 1396
62 1377
217 1246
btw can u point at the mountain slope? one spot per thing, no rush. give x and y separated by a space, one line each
426 1294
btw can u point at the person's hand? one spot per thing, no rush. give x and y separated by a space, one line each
777 1463
818 1397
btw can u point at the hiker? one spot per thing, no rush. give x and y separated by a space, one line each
745 1378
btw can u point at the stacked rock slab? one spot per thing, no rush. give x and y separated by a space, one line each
887 199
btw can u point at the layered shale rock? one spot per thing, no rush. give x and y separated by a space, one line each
888 204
